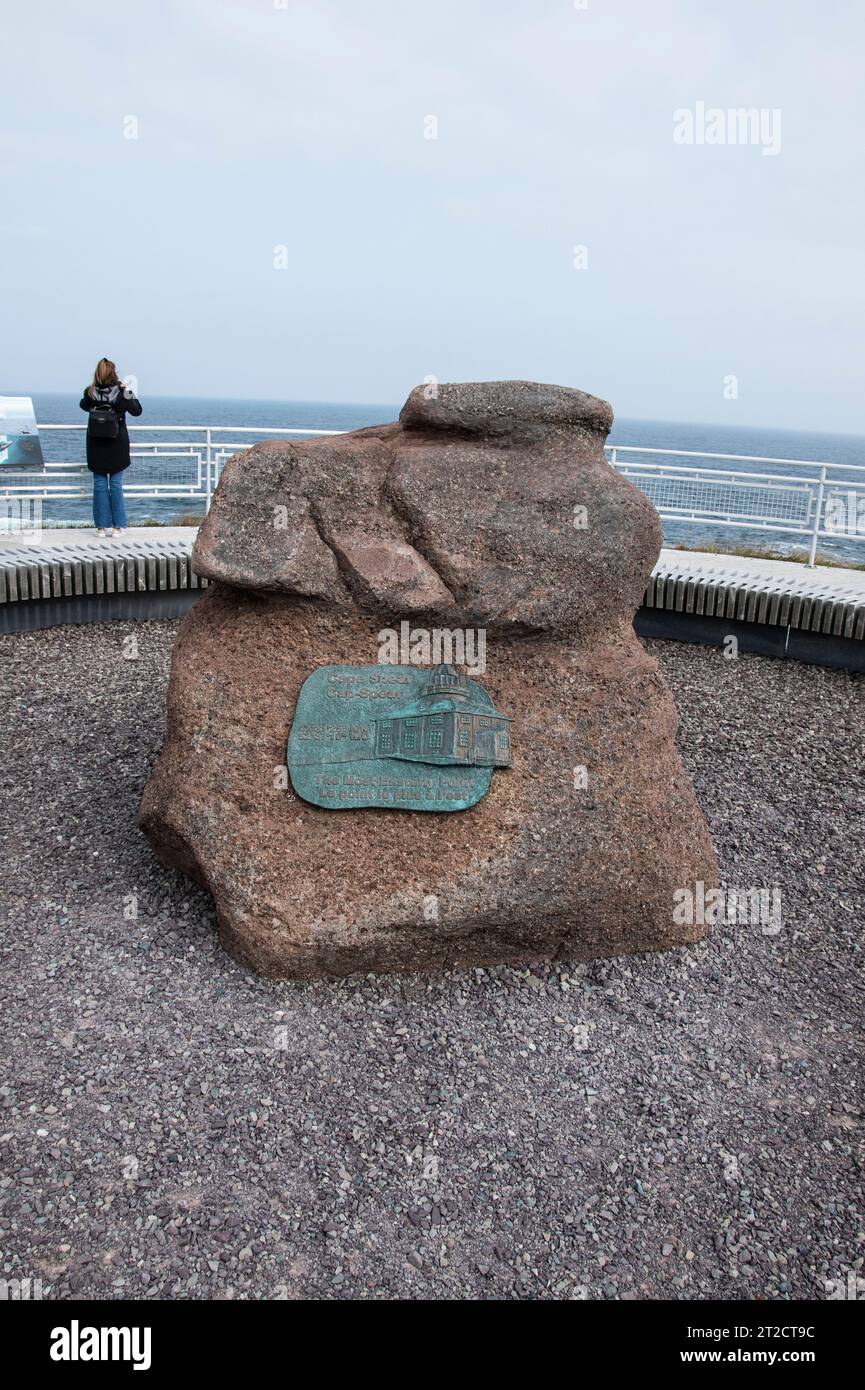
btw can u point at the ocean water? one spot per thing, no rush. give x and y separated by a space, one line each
836 449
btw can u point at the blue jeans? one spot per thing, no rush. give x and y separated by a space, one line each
109 508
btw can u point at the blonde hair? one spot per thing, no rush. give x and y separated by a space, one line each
105 374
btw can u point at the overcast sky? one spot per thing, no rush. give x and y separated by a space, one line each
305 126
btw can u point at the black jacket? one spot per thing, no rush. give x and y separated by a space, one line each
110 455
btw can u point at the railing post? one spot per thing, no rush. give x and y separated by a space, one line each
208 468
821 487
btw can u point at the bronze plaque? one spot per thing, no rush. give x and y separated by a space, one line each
403 737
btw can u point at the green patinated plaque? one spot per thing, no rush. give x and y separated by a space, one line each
404 737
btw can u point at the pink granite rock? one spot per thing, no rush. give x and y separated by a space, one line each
491 507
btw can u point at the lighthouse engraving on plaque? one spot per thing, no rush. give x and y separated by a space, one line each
400 737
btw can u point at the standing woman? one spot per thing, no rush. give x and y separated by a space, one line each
106 401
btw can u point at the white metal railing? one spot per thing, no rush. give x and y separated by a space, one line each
819 500
174 467
798 497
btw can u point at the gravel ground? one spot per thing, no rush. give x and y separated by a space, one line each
682 1126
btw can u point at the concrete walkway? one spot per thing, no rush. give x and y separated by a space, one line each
86 536
786 572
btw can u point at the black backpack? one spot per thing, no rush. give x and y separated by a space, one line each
104 422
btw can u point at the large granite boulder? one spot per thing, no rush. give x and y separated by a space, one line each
487 507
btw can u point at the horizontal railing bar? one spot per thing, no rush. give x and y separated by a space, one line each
669 470
755 519
742 458
747 525
659 472
754 481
